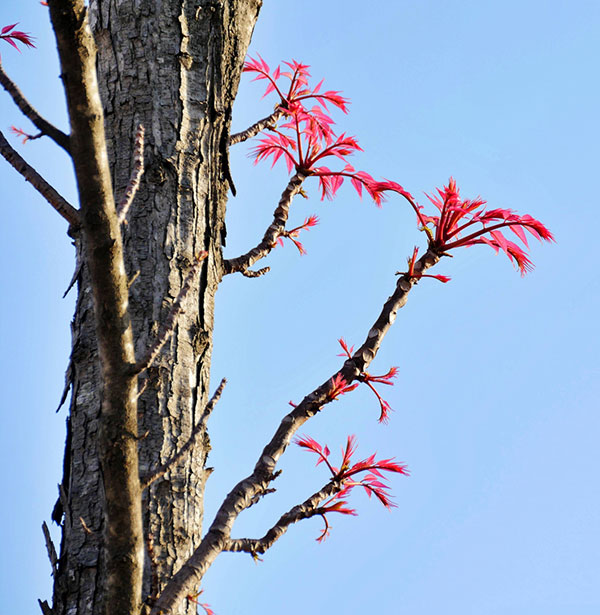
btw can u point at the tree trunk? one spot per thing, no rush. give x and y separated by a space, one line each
173 66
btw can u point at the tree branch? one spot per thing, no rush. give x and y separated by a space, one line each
45 127
198 428
280 217
252 131
244 493
309 508
64 208
136 176
117 436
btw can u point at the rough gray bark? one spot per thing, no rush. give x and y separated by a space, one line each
174 67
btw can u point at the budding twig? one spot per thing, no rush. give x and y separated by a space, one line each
252 131
45 127
65 209
309 508
136 176
280 217
169 324
198 428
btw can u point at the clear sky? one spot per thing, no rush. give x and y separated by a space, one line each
496 403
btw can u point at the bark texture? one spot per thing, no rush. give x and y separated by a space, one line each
174 67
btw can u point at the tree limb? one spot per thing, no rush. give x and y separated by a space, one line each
252 131
280 217
117 436
45 127
244 493
198 428
64 208
309 508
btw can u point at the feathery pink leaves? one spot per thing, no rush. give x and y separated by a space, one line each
413 274
22 134
307 138
467 223
194 598
291 99
293 233
15 37
369 380
339 386
306 143
372 479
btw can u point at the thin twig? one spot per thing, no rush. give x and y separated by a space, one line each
46 610
276 228
46 128
65 209
252 131
136 176
198 428
309 508
171 320
50 548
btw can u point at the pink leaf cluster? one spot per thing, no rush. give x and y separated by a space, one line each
206 607
370 380
13 37
293 96
414 274
467 223
367 473
307 138
292 234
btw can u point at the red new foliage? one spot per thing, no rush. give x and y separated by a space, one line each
339 386
194 598
347 474
293 233
413 274
16 36
298 90
369 379
307 138
467 222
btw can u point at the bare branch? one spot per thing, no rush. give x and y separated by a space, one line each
45 127
309 508
46 610
65 209
280 217
169 324
50 548
136 176
252 131
244 493
198 428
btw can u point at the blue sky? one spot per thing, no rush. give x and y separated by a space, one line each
496 403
